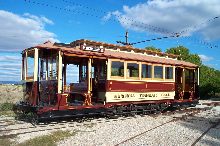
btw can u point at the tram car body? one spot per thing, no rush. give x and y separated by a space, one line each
89 77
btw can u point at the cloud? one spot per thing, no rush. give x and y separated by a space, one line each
41 20
205 58
10 58
22 31
168 16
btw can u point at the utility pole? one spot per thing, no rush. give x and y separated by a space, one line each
126 40
126 37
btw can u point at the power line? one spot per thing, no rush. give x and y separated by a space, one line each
132 22
194 27
184 31
135 23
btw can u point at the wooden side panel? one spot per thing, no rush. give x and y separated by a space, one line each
137 86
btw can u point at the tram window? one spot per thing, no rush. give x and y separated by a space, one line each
146 71
83 73
132 70
102 70
158 72
43 69
117 69
72 73
48 68
30 65
188 76
168 72
23 66
196 75
53 68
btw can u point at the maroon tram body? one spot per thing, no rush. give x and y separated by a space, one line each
88 77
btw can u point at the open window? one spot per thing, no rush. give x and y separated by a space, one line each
189 79
48 76
146 71
169 72
158 72
29 65
117 69
132 70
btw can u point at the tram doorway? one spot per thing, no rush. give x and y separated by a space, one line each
186 83
179 83
84 80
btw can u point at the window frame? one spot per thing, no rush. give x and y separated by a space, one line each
26 65
110 72
126 67
159 65
151 71
173 72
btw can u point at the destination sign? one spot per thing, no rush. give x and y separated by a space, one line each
92 48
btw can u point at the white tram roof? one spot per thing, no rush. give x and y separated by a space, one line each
105 50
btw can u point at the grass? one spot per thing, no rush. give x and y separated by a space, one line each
7 113
48 140
6 109
6 106
5 142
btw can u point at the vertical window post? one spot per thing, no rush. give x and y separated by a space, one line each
125 70
163 72
22 68
59 72
152 69
184 79
35 64
89 75
108 69
140 70
25 66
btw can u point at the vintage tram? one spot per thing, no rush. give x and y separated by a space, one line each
89 77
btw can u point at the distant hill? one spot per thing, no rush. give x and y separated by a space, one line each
11 82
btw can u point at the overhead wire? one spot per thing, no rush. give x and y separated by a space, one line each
119 18
185 31
135 23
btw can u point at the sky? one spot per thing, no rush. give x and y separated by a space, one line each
25 23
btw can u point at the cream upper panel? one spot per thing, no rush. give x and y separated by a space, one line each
126 76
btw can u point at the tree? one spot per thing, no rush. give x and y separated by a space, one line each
185 55
209 81
209 77
152 48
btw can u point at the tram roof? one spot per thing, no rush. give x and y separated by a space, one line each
116 51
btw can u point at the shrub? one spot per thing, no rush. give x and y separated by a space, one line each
6 106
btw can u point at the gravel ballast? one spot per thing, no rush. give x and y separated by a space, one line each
180 132
180 128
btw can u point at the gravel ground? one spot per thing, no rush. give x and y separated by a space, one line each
180 132
139 129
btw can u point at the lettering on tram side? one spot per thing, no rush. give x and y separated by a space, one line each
165 95
141 95
148 95
124 95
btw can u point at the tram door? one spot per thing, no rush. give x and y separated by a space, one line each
179 82
98 77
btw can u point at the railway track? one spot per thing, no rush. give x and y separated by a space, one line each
204 133
12 132
7 132
183 117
